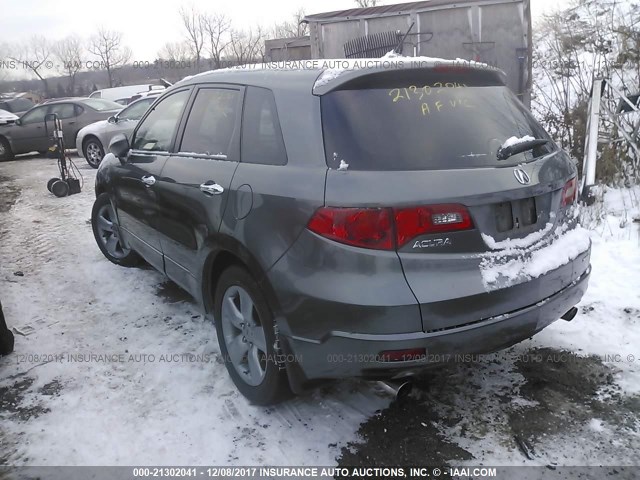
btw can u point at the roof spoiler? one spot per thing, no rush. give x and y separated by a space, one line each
342 71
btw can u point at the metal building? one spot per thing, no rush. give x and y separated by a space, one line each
497 32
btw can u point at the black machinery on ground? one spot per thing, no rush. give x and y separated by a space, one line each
70 180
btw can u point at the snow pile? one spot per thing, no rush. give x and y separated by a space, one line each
517 264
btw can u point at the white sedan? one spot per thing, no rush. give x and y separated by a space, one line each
93 139
7 117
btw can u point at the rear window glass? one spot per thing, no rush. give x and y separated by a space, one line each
19 105
436 121
100 104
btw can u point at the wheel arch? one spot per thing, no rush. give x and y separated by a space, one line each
9 142
227 252
90 136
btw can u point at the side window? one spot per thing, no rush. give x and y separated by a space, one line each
34 116
157 129
261 134
136 111
63 110
211 122
78 110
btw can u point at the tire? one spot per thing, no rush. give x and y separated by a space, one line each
103 220
93 151
5 150
51 182
60 188
241 313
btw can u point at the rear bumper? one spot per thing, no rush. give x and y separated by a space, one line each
342 354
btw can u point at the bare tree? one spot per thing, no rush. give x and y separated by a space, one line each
4 55
68 52
591 39
218 37
193 22
292 28
247 46
366 3
175 51
34 57
107 46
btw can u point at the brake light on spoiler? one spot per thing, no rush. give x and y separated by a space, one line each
388 228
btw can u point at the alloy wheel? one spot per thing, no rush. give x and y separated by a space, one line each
109 233
244 336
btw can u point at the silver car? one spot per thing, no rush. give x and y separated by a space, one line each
92 139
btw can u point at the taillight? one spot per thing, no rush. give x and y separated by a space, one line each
374 227
570 192
360 227
416 221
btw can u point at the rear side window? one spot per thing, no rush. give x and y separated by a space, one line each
261 134
63 110
433 121
156 131
211 123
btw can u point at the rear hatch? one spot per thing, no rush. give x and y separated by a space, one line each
423 145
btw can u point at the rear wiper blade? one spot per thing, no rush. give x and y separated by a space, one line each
507 152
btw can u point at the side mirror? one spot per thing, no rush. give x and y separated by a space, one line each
17 121
113 119
119 146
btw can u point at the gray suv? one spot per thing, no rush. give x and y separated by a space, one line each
361 223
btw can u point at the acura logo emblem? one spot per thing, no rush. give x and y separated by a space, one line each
522 176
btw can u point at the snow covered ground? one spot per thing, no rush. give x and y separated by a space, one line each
115 366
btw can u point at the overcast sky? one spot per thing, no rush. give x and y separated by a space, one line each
149 24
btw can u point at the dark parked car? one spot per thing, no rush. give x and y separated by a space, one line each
350 225
16 106
29 134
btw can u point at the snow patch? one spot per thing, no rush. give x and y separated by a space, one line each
518 264
510 243
510 142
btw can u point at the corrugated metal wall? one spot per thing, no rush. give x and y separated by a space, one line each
493 31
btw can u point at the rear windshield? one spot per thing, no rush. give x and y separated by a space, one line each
101 105
436 121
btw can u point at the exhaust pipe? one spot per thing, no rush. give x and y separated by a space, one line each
399 389
570 315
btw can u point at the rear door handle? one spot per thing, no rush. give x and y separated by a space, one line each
211 188
149 180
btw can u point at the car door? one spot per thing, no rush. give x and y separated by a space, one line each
67 114
135 185
195 181
30 133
